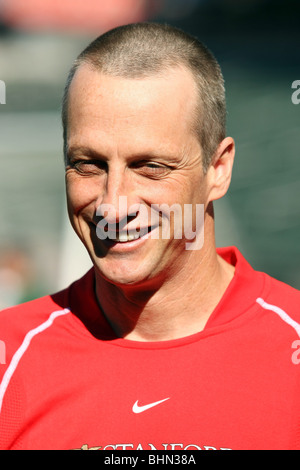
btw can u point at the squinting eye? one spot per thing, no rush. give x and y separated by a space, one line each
89 167
152 169
153 165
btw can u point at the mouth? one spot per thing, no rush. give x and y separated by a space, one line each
112 237
124 236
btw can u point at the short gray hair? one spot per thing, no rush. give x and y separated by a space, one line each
144 49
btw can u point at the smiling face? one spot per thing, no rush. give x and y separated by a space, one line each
132 138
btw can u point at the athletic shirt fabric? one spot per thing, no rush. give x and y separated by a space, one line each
69 383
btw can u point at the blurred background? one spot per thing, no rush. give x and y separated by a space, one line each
257 43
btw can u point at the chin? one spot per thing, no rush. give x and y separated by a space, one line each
122 274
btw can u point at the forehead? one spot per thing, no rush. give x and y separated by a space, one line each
162 104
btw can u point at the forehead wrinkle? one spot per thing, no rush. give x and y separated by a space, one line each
124 114
93 75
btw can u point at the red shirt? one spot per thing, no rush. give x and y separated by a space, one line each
69 383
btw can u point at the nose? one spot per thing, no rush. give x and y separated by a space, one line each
117 197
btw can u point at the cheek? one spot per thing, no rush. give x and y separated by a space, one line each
80 195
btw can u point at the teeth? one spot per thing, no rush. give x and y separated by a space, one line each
123 236
126 237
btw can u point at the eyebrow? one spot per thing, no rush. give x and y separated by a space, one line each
84 151
74 150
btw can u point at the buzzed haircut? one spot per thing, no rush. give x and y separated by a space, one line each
142 50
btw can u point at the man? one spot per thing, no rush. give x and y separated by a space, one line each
167 343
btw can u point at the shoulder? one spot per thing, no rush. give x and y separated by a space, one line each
29 312
24 321
282 300
279 292
18 321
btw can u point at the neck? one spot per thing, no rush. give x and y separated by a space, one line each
179 307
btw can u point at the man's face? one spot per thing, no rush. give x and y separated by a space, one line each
132 138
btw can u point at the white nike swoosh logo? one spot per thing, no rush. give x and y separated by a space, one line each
140 409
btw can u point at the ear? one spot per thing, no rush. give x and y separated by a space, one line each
220 170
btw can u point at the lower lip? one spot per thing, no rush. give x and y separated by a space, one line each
127 246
